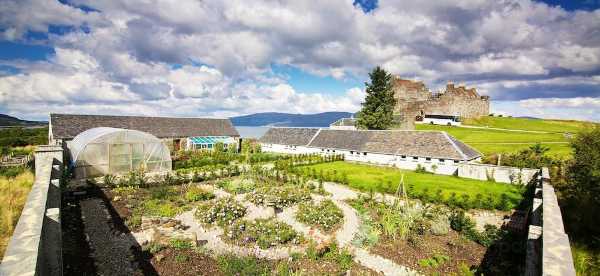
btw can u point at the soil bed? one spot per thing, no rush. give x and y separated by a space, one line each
459 249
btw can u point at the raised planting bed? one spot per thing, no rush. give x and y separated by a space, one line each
133 203
237 185
278 196
265 233
222 212
417 237
324 215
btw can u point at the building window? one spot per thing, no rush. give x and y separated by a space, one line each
351 152
364 153
428 158
322 150
442 160
415 158
403 156
333 150
455 161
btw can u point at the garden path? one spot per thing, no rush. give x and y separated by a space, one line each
346 233
218 246
288 216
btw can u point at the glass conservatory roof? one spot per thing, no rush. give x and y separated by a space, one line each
205 140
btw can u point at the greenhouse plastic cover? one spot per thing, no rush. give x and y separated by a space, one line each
106 150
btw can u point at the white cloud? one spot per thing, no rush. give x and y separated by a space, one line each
224 51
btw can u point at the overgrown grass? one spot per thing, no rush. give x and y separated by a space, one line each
382 179
489 141
529 124
13 193
586 260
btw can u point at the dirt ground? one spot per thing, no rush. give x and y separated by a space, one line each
459 249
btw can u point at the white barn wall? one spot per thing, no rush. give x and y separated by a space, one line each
447 167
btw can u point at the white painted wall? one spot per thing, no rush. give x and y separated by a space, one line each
498 173
444 167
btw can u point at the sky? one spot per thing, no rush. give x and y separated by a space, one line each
225 58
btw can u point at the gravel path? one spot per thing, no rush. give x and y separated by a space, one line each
218 246
110 248
380 264
288 216
346 233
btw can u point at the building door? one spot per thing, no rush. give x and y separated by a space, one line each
176 144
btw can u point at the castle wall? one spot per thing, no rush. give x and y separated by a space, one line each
414 99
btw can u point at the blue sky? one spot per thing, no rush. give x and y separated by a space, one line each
214 58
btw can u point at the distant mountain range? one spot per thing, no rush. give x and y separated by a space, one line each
10 121
289 120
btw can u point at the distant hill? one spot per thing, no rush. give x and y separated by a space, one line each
289 120
9 121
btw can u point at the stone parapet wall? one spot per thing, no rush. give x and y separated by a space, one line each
548 248
497 173
35 246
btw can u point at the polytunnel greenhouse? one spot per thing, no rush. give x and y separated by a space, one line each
104 150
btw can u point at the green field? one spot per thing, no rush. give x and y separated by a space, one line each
490 141
560 126
367 177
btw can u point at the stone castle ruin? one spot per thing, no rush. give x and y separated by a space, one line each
414 100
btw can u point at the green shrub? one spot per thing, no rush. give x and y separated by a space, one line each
460 222
156 207
196 193
163 193
180 243
504 203
234 265
222 211
181 258
154 247
279 196
325 215
264 232
434 261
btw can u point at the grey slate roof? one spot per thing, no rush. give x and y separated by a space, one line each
67 126
289 136
435 144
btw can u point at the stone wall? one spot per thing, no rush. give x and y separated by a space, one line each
497 173
548 248
414 99
35 246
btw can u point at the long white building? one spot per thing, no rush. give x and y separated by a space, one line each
434 150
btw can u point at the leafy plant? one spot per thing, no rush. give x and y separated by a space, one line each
156 207
197 193
264 232
180 243
434 261
324 215
222 211
234 265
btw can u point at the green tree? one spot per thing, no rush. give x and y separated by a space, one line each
377 110
580 197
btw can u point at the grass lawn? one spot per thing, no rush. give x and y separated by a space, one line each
13 193
367 177
489 141
529 124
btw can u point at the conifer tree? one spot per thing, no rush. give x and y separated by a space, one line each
377 110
